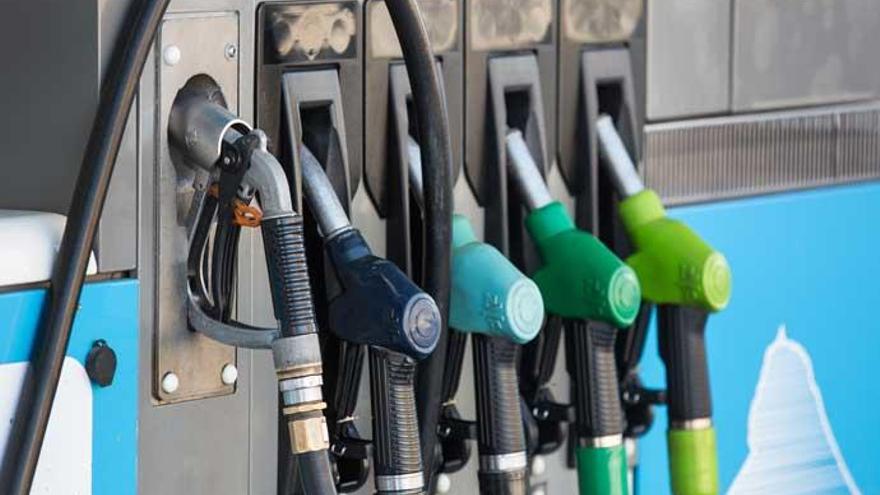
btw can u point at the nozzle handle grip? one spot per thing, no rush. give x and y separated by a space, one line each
693 461
499 420
500 430
397 451
593 369
288 275
681 335
602 470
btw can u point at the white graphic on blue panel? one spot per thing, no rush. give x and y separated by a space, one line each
792 449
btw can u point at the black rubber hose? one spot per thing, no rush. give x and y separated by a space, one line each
117 93
316 474
395 426
433 136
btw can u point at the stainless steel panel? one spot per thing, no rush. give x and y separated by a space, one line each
688 66
196 359
727 157
224 445
804 52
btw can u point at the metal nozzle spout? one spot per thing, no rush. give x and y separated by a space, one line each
525 172
617 160
321 197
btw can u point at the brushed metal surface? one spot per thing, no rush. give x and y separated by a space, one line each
688 65
195 358
803 52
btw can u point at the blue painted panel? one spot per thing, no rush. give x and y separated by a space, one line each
109 311
808 261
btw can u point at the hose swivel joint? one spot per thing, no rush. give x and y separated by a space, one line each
298 365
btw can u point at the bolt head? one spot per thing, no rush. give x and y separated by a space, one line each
229 374
171 55
170 382
539 465
444 483
231 51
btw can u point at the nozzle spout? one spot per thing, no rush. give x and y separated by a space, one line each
616 159
322 199
525 172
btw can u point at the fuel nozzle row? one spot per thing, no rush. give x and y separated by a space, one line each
240 168
585 283
687 279
381 308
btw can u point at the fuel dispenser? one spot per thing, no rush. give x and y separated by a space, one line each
594 293
502 308
379 307
687 280
509 57
306 54
595 77
240 168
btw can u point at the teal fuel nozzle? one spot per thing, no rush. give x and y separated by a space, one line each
687 279
489 294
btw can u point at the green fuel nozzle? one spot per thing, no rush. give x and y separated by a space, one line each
580 278
597 293
687 279
674 264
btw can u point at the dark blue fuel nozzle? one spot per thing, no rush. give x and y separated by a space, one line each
379 305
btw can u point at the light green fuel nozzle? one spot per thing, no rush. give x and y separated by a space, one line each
674 264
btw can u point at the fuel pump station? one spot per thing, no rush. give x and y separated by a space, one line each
417 247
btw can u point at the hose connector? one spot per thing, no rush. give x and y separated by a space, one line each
298 366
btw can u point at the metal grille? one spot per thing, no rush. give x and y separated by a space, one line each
736 156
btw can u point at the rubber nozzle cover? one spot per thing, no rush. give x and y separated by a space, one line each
581 278
489 295
674 264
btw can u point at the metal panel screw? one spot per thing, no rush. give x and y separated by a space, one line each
539 465
171 55
444 483
231 51
170 382
229 374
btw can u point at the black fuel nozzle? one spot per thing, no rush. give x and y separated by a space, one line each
380 307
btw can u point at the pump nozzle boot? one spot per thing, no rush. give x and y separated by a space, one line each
581 278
